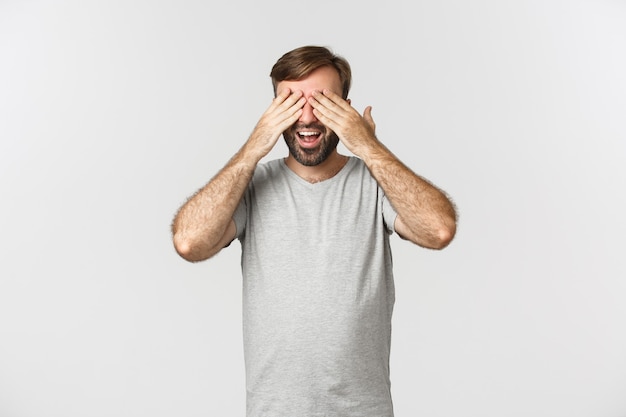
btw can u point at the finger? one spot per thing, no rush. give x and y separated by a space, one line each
295 101
325 101
324 105
279 99
333 123
290 118
285 99
367 115
291 98
282 95
327 117
336 99
286 116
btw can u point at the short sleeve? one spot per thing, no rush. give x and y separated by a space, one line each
389 215
240 217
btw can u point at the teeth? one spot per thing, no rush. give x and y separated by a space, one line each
308 133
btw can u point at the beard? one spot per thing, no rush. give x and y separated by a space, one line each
311 156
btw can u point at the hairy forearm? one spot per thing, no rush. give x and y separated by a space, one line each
427 216
203 225
202 221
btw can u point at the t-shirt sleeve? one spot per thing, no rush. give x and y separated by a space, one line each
240 216
389 215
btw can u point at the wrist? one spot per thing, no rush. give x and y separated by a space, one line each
248 157
371 151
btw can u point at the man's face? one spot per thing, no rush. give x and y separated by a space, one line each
308 140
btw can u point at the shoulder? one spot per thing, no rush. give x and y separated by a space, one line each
356 168
267 170
274 165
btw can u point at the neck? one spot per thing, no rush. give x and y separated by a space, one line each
322 172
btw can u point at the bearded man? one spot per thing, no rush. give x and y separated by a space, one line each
314 228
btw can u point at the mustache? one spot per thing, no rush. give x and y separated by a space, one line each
317 126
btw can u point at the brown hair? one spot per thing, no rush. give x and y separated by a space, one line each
300 62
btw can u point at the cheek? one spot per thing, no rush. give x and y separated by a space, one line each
290 133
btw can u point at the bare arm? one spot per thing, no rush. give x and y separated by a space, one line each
204 224
426 216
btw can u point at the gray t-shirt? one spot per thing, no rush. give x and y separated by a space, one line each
318 293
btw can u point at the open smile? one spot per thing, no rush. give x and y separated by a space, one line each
308 138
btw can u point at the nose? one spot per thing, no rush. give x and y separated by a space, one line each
307 116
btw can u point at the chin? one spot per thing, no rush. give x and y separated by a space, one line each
311 157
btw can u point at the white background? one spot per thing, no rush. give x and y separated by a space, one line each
113 112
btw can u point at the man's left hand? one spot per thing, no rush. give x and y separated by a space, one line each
356 132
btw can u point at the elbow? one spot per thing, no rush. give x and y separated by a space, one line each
443 237
187 249
439 236
183 247
435 235
446 230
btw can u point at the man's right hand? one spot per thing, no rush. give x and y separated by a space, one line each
284 111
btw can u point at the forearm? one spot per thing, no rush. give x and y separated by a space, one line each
200 224
426 216
200 227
